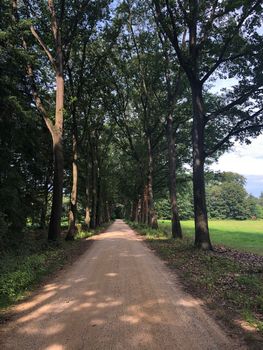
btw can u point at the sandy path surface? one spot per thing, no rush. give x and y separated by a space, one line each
117 295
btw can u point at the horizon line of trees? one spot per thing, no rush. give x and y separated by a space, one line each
226 198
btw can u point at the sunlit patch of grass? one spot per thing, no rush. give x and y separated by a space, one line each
146 231
84 234
26 264
21 271
246 235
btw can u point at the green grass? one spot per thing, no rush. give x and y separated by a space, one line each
22 270
244 235
232 289
24 264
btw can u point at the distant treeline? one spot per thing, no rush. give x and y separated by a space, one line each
227 198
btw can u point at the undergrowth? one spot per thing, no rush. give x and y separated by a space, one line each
24 263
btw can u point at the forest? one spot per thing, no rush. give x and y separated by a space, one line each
107 105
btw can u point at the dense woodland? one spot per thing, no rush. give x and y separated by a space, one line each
106 105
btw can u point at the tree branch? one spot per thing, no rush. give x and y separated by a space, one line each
228 40
237 129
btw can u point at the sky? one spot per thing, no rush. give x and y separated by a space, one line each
246 160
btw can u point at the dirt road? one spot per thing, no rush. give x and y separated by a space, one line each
117 296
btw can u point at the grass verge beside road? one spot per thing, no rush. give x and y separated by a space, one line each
231 286
246 235
24 266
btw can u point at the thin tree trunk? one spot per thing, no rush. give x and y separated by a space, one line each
94 192
137 214
98 201
134 210
152 218
86 224
176 226
74 191
202 238
87 211
87 218
140 209
107 212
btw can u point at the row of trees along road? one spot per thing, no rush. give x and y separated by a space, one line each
105 102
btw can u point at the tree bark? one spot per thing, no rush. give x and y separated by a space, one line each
74 191
176 226
202 239
56 210
152 218
87 199
107 211
145 206
140 209
87 218
93 190
98 200
45 204
134 210
137 214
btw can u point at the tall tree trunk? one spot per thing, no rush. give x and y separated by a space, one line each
140 209
87 218
94 191
74 191
134 210
98 202
145 206
176 226
56 210
86 224
107 211
56 130
152 218
137 214
45 204
202 238
87 209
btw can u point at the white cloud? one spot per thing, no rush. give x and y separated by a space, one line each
222 83
244 159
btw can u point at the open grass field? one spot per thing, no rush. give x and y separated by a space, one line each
244 235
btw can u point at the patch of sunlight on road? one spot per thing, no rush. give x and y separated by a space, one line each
55 347
111 274
189 303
